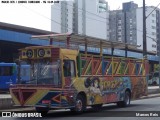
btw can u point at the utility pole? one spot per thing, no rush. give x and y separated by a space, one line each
125 32
144 31
159 62
144 35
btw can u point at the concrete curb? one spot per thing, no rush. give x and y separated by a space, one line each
151 96
6 103
154 91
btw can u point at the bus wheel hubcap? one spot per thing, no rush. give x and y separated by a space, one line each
79 105
127 100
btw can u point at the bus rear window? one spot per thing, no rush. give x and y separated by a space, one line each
6 70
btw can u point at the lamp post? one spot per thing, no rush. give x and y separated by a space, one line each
144 35
144 32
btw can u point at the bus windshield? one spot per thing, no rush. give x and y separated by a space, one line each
45 73
25 73
6 70
8 75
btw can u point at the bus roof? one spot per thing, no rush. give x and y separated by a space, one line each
7 64
77 39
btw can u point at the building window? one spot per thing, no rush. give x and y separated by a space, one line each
119 21
153 33
119 27
153 21
154 46
119 33
119 24
153 27
119 40
102 7
119 36
153 15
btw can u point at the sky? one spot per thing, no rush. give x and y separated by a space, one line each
38 15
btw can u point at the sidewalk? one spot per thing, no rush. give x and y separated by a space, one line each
151 96
5 101
153 91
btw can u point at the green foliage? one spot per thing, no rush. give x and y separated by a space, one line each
157 67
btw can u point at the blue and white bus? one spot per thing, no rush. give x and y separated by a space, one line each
9 73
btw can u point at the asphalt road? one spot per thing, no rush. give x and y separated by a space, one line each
148 109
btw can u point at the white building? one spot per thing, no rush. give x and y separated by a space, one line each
87 17
62 17
151 28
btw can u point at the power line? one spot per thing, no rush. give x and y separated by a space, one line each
147 33
82 9
153 10
47 18
81 16
64 26
141 31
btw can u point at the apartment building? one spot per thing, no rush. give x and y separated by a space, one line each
86 17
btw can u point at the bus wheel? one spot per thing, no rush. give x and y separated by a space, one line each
97 107
126 101
80 104
42 110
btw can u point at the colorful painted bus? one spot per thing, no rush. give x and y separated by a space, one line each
9 74
67 78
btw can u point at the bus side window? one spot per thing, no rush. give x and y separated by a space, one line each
69 68
6 71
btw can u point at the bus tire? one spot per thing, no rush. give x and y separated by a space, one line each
126 101
80 104
42 110
97 107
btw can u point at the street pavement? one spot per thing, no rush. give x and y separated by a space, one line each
146 103
143 107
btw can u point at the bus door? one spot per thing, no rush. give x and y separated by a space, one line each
68 72
7 75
